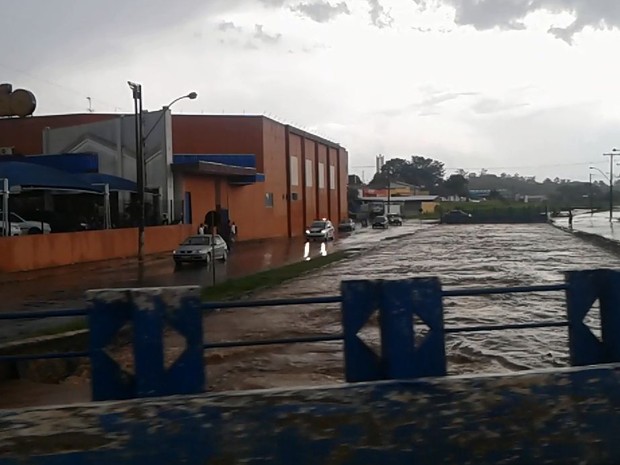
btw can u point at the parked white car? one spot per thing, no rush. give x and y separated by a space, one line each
27 226
15 230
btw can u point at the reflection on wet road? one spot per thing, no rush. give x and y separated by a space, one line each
65 288
462 256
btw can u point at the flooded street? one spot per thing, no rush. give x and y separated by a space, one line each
65 288
462 256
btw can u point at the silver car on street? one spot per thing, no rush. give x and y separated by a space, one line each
200 249
322 230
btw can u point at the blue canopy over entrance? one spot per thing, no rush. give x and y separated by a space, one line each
115 183
31 176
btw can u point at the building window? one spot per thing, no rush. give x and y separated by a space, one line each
308 173
332 177
268 199
321 176
294 171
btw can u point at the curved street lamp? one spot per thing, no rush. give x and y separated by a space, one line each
140 160
190 96
600 171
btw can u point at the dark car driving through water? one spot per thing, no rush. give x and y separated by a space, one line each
347 225
380 222
456 217
395 220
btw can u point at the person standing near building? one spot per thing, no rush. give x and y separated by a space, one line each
201 229
233 231
570 218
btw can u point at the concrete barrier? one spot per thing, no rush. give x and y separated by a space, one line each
561 416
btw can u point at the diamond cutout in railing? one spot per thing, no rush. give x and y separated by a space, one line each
370 334
421 330
592 320
174 345
120 349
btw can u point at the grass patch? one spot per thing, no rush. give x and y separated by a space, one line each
236 288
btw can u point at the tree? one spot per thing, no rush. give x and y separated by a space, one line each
495 195
419 171
353 199
457 185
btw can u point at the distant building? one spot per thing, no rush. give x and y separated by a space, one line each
397 189
270 178
380 162
530 198
483 194
409 205
355 181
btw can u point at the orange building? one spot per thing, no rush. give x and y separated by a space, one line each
296 176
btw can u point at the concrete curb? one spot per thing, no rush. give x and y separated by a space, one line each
43 370
604 242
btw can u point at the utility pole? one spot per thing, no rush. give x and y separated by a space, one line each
611 182
389 189
139 126
590 196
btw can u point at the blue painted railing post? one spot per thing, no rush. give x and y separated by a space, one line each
584 288
360 299
400 302
397 302
150 311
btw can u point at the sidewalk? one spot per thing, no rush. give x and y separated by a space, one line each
597 224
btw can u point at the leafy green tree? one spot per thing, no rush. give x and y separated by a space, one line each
418 171
457 184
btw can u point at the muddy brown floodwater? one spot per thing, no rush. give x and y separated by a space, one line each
461 256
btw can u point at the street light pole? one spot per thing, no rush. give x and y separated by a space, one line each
140 159
590 195
389 190
137 99
611 155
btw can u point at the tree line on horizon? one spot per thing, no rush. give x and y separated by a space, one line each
429 174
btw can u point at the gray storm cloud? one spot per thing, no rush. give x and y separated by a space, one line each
488 14
320 11
378 15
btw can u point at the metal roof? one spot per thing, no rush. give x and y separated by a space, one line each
398 198
36 177
210 168
115 183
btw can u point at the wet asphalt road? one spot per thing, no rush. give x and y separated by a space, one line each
461 256
65 288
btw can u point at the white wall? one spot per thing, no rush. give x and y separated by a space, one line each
115 143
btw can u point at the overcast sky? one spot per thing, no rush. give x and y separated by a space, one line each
527 86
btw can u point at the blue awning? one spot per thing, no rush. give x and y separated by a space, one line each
115 183
31 176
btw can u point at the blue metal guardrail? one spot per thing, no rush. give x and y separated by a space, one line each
397 302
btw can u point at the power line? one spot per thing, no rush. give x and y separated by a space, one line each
506 167
553 165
